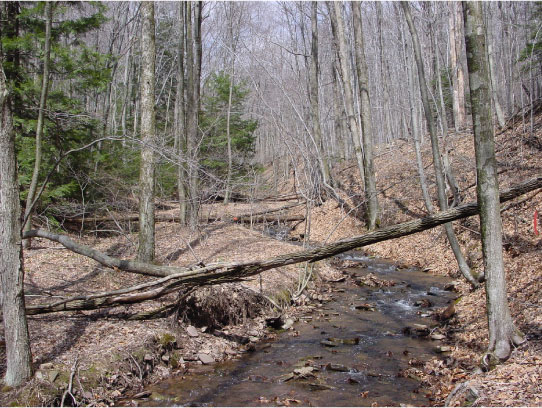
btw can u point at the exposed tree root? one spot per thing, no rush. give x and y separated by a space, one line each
216 307
500 350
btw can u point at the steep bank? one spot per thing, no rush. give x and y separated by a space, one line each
518 153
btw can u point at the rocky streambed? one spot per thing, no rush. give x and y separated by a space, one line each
353 350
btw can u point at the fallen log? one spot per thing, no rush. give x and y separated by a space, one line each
230 272
232 218
269 219
257 217
284 197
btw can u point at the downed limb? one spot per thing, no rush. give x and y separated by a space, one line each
256 217
104 259
229 272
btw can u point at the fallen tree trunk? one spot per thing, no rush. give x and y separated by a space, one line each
257 217
229 272
270 219
231 218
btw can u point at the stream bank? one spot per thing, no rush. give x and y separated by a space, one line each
354 350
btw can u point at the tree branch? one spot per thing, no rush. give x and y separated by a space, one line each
230 272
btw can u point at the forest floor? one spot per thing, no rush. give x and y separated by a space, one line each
101 356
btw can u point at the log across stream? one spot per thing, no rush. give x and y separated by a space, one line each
350 351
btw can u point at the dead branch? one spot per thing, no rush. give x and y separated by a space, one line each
70 385
257 217
270 219
104 259
231 272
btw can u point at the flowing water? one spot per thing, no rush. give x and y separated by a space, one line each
355 355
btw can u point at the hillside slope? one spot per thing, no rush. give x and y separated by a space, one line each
518 382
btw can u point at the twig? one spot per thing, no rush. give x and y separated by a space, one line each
198 260
138 367
70 384
265 297
514 204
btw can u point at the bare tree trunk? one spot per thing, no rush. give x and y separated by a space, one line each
415 129
314 98
448 172
366 121
502 331
227 193
493 82
338 112
193 59
18 354
443 203
39 126
337 24
180 117
233 49
148 136
387 129
458 76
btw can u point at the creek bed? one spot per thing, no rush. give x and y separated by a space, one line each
347 352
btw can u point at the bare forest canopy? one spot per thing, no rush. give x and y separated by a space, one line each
263 52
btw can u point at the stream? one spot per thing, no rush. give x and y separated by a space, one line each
345 352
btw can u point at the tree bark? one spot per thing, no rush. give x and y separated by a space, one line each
493 82
443 202
227 192
180 117
39 126
233 33
148 136
193 59
415 129
18 354
337 24
366 120
314 98
502 331
338 112
458 76
229 272
387 128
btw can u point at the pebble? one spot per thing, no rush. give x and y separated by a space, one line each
287 324
320 387
231 352
437 336
328 343
304 371
206 358
192 331
337 367
443 349
53 375
433 291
